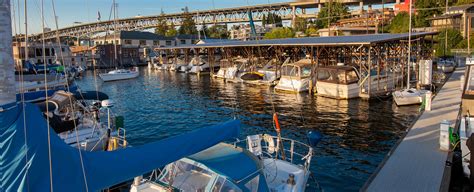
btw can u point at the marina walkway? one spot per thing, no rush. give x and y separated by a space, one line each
417 164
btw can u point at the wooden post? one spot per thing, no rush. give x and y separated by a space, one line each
312 71
370 68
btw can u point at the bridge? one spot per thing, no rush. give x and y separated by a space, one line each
287 11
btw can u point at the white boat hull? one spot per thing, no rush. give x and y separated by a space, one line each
293 84
408 97
337 91
119 76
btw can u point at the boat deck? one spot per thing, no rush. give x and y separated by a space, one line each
416 163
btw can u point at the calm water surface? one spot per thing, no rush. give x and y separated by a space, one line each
357 133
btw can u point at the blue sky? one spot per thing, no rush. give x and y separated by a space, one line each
70 11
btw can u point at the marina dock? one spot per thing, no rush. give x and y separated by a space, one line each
417 163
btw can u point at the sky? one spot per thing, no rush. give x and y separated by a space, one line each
84 11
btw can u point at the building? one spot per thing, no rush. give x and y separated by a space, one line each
104 56
457 17
244 32
53 53
346 31
143 41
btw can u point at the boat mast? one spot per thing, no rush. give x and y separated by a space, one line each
7 78
115 33
26 33
409 46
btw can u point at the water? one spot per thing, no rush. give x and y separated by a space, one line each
357 133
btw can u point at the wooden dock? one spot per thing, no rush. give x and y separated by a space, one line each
416 163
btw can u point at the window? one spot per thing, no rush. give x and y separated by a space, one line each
252 185
289 70
47 52
186 177
39 52
305 71
324 75
72 59
142 42
183 41
155 43
168 43
62 49
352 77
82 59
223 185
128 42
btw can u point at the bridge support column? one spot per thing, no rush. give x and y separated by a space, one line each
293 16
361 7
320 6
397 2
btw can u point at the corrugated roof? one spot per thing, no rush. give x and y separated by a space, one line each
310 41
447 16
460 7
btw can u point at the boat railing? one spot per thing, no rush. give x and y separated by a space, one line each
290 150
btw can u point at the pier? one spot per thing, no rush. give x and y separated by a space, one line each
417 163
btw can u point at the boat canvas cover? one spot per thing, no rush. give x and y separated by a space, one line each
234 163
25 165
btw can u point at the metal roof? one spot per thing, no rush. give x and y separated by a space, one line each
310 41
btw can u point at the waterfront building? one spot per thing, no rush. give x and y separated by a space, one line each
457 17
53 54
244 32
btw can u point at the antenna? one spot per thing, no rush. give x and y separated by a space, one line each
7 79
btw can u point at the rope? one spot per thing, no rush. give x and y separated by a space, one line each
47 107
73 114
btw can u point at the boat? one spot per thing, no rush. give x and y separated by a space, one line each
408 96
232 70
120 74
34 158
267 75
259 166
340 82
466 125
295 77
446 66
81 125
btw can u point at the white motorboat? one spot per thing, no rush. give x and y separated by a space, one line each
260 166
410 96
340 82
295 77
446 66
120 74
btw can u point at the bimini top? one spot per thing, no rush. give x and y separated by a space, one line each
227 160
310 41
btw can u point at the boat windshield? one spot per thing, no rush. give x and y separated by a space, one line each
305 70
185 176
223 185
470 81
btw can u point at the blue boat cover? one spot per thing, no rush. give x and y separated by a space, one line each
25 163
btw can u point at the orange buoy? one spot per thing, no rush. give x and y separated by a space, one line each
277 124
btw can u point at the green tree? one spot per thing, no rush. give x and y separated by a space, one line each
400 23
171 32
162 25
464 2
425 11
188 26
279 33
312 31
272 18
454 38
300 24
332 12
218 32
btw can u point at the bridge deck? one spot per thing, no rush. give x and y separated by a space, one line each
417 164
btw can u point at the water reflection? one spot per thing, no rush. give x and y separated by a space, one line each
357 133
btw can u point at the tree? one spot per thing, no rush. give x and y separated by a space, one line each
464 2
424 11
400 23
188 26
272 18
312 31
454 38
280 33
171 31
300 24
332 12
218 32
162 25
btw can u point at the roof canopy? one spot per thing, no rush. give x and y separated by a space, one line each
219 157
310 41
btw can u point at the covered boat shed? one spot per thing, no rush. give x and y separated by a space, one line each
371 54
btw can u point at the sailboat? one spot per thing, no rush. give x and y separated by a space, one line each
409 96
118 74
